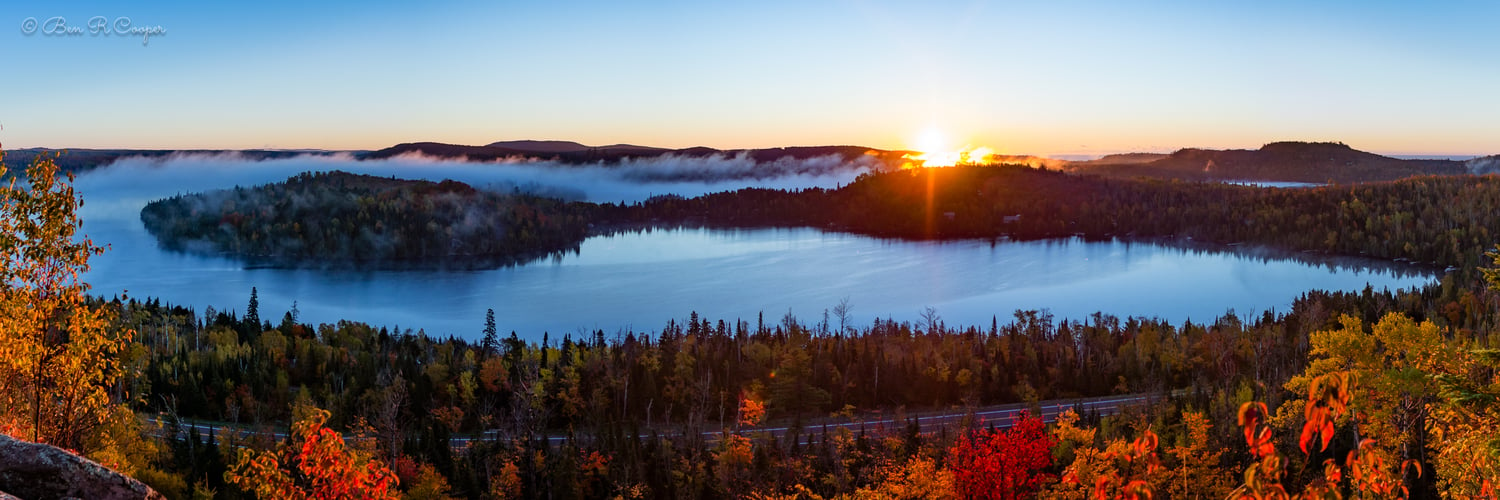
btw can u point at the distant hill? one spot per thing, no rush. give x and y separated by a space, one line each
449 151
1123 159
80 160
575 153
572 147
1315 162
566 152
539 146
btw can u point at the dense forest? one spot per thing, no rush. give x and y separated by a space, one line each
343 219
1374 393
643 398
1442 220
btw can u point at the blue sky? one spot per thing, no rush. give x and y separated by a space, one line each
1056 77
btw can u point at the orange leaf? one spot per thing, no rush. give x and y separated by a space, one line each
1413 463
1101 488
1331 471
1149 440
1263 446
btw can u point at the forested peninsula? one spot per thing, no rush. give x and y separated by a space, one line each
348 220
355 220
1439 220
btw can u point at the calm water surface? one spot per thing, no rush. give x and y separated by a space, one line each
641 280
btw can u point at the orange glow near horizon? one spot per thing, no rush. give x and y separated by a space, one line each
934 150
964 156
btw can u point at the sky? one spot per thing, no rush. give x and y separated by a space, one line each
1043 77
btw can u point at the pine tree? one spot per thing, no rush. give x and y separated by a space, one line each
490 345
252 312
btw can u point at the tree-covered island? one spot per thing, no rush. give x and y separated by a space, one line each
339 219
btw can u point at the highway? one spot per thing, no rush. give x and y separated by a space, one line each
1000 416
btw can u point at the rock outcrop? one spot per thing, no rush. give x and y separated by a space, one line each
31 471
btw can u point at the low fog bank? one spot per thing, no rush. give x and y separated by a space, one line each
120 189
1484 165
721 168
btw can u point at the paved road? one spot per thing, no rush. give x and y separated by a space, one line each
1001 416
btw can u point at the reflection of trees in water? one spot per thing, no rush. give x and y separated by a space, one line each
1333 263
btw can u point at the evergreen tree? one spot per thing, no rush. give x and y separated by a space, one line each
252 311
490 343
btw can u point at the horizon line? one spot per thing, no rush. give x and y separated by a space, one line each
1051 155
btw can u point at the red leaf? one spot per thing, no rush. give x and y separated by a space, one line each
1263 445
990 463
1251 413
1327 433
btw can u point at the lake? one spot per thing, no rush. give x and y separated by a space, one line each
639 281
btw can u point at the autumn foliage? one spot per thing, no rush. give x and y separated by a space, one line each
1134 466
1364 469
315 464
752 410
58 360
1002 464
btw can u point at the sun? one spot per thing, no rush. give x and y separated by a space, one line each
931 140
935 149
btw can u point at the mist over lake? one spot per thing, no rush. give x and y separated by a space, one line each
639 281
